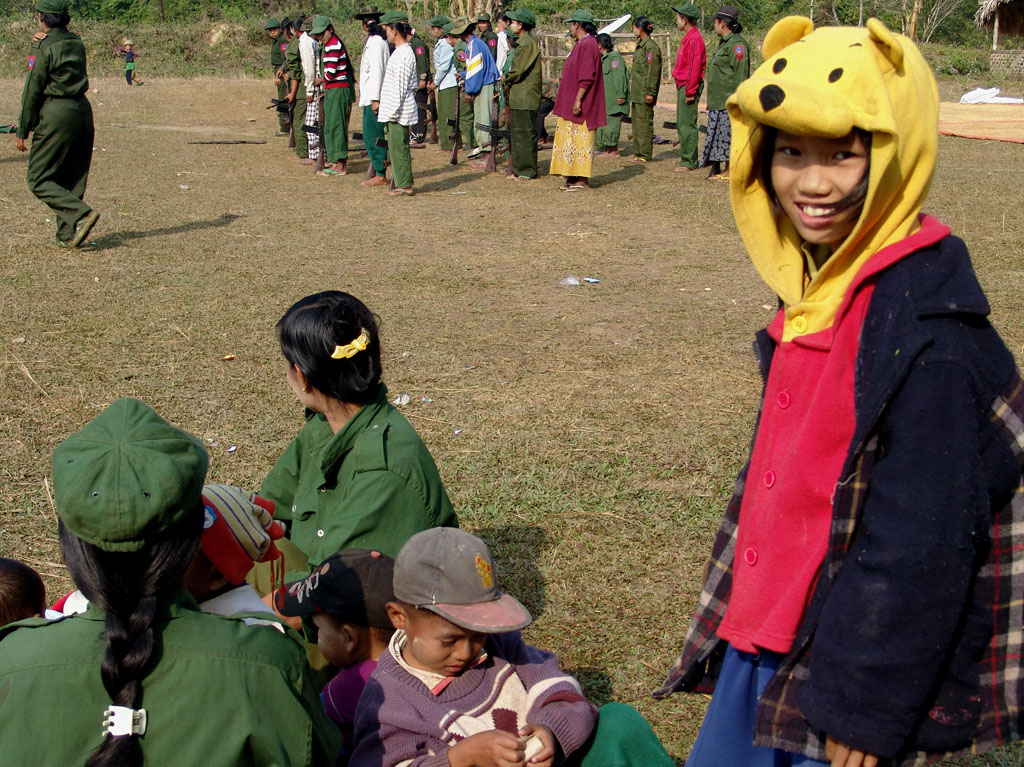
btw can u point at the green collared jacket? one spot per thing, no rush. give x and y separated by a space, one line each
490 39
370 486
276 54
56 69
524 76
616 83
728 66
422 54
646 71
222 694
293 64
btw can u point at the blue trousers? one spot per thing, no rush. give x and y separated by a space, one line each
726 736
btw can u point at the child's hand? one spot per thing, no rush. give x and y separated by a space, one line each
494 748
844 756
546 756
40 35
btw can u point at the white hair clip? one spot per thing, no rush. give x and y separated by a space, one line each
121 720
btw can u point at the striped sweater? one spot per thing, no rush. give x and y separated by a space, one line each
401 722
398 90
336 70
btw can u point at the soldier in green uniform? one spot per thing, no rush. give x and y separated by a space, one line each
277 61
296 78
524 78
143 676
616 96
487 34
418 132
646 81
728 66
55 111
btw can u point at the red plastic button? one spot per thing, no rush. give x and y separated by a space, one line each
783 399
769 478
750 556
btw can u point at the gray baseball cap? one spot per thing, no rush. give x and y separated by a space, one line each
451 572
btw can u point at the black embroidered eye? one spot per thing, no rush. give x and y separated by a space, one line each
770 97
834 75
779 65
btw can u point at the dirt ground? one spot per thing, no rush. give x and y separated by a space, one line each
589 433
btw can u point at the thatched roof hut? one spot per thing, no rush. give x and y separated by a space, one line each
1005 16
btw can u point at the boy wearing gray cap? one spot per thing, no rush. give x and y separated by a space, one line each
458 686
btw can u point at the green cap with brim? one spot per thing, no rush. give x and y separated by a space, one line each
368 12
581 16
447 29
320 24
483 17
522 15
56 7
689 10
462 26
438 21
393 17
272 24
127 477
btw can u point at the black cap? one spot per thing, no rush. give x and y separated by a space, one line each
354 586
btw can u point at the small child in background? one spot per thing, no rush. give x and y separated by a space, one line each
128 51
346 600
458 686
22 594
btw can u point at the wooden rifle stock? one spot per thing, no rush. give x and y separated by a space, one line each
432 116
321 156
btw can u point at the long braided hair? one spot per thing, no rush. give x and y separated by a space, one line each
127 585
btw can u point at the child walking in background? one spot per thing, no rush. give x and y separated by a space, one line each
457 685
128 51
862 602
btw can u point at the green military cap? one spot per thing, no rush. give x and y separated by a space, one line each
522 15
581 16
368 12
689 10
127 477
307 25
483 17
319 24
462 26
393 17
447 29
55 7
438 21
272 24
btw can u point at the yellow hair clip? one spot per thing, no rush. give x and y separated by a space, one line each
352 349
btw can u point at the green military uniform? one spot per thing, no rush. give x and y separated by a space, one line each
372 485
55 111
467 129
728 67
221 694
524 79
616 86
646 81
491 40
277 62
422 54
293 63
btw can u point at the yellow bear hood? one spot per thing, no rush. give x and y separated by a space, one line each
826 82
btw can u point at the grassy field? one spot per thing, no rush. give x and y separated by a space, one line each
590 434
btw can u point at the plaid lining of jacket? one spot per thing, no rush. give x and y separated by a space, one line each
779 722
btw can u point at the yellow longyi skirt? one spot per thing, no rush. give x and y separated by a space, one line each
573 152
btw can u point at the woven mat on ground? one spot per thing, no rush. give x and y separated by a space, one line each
996 122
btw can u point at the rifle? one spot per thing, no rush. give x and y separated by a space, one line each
454 123
510 168
496 134
291 125
321 157
432 116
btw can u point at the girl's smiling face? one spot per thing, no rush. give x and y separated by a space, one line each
813 178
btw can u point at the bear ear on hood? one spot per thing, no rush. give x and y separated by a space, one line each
888 44
785 32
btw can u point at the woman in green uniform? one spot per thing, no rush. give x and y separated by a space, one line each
643 88
357 475
616 96
728 67
57 114
143 676
523 78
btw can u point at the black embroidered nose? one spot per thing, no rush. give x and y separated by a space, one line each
835 74
771 96
779 65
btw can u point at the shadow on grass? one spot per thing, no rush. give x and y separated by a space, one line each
20 157
622 174
596 684
117 239
452 182
516 549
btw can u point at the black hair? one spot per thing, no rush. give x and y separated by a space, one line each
127 585
856 196
604 40
373 27
22 594
644 24
310 331
383 635
503 17
589 27
55 20
527 25
732 24
401 27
